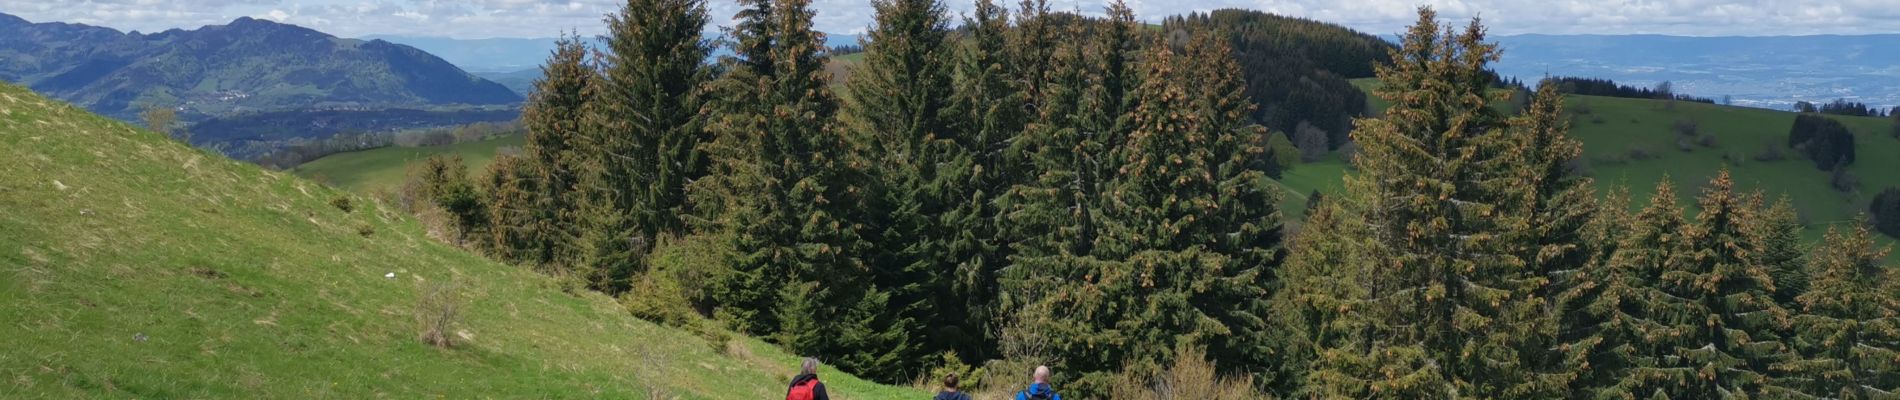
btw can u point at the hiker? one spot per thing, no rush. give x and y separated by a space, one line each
949 391
1039 389
805 386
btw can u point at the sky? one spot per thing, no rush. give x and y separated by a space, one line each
471 19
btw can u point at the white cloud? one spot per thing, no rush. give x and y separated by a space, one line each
545 18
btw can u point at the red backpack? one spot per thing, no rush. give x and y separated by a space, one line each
802 391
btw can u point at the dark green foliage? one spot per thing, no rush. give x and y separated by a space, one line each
1849 329
1719 325
1608 325
989 106
1848 108
1827 142
1777 240
644 135
1886 212
446 184
1606 87
536 201
899 103
1296 69
512 194
1449 307
790 191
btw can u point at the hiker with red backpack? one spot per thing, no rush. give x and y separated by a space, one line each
806 386
1039 389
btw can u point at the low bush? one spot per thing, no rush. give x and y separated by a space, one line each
1191 377
342 202
438 311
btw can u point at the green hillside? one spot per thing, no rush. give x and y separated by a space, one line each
1613 129
362 171
135 267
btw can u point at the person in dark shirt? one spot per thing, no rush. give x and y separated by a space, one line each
950 391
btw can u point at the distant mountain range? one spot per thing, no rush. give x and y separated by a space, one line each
516 63
1767 72
249 65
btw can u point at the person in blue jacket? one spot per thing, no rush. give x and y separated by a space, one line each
1039 389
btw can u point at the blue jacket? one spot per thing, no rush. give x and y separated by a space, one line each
1040 389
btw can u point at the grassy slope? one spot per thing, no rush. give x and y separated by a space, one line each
362 171
1741 133
248 284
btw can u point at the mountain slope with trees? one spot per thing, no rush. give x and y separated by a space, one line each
247 65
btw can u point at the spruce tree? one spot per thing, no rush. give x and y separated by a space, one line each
789 190
1607 321
1777 235
541 231
1849 328
1451 307
898 101
1244 222
643 131
1049 217
513 225
988 106
1558 204
1717 300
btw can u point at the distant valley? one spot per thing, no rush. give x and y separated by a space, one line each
1764 72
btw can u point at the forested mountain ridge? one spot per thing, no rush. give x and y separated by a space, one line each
247 65
1297 70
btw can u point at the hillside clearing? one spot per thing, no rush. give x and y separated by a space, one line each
135 267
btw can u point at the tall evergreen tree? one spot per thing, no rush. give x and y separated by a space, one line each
1032 52
538 227
1777 236
898 101
988 104
643 132
1849 329
1451 307
1558 204
1723 322
512 191
1244 222
1049 217
1607 321
787 187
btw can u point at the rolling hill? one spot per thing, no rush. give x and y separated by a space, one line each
1632 142
382 168
132 266
219 70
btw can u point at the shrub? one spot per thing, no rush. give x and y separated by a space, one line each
1886 212
1707 140
1312 142
365 229
1844 180
1683 143
1771 152
342 202
438 310
1685 127
1639 153
1191 377
678 286
1596 119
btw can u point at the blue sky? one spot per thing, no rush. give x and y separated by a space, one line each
545 18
